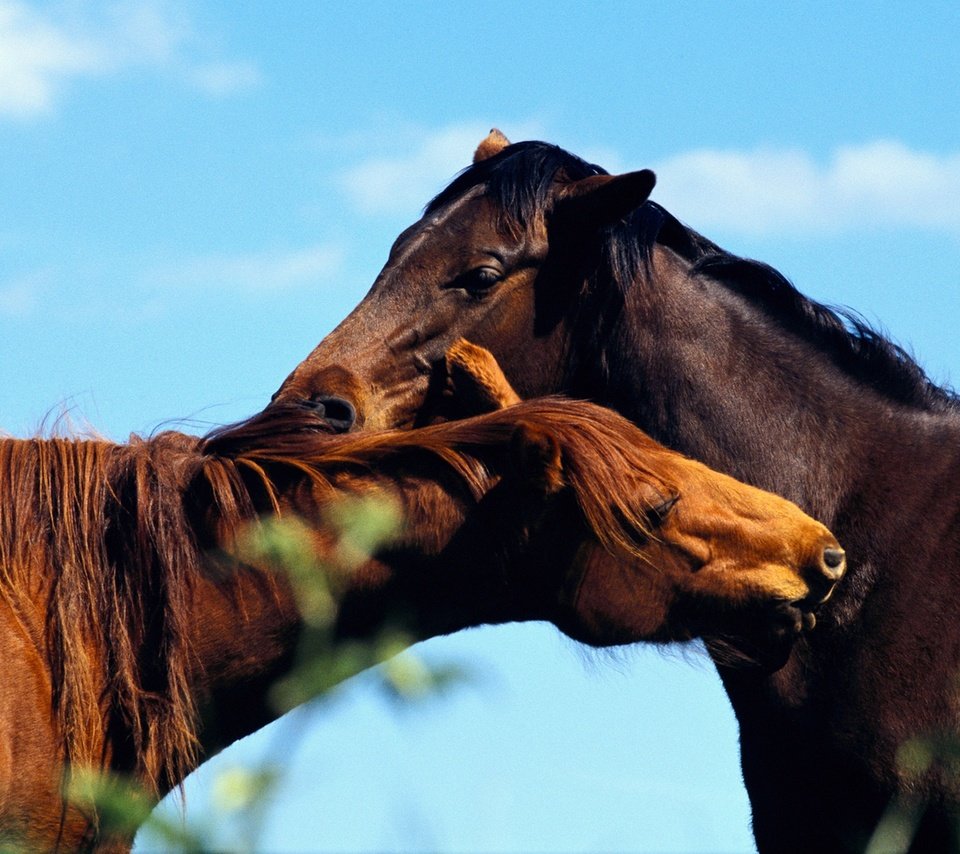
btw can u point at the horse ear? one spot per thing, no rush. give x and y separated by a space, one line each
537 456
494 143
475 380
602 200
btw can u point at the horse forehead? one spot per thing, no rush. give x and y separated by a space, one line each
455 221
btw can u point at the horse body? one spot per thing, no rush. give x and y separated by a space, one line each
577 283
822 739
140 633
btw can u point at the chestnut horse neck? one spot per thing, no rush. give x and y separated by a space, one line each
101 547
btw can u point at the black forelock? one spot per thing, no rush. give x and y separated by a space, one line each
518 179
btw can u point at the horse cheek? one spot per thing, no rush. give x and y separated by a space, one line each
613 601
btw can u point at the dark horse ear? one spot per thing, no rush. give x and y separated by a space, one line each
493 143
602 200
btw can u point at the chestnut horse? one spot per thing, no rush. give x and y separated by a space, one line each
577 283
139 635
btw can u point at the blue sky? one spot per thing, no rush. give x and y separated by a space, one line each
193 194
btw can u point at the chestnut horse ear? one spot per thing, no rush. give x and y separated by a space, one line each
602 200
475 380
494 143
536 454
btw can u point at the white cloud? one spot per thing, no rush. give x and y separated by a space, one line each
36 57
42 51
261 272
404 183
777 191
762 192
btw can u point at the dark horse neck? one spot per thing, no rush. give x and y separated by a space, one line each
773 410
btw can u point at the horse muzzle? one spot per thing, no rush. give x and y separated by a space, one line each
338 412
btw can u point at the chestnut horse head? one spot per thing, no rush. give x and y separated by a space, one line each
673 597
615 538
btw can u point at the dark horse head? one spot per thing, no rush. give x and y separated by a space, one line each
578 283
494 259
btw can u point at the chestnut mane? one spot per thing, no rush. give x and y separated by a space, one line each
103 540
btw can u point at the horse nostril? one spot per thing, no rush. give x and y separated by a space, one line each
339 413
834 563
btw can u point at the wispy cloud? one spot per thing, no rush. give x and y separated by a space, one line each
766 191
225 78
775 191
43 50
404 182
261 272
20 296
36 57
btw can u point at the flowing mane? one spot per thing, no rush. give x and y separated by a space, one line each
853 344
519 181
105 538
596 456
98 534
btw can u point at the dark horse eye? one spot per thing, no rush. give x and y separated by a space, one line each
478 280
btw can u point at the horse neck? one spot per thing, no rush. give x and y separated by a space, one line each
438 576
245 630
730 388
455 565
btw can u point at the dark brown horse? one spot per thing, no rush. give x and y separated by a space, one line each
578 283
138 634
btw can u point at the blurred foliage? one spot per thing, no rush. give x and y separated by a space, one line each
354 529
122 806
919 757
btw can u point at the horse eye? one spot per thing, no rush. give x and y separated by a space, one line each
478 280
657 515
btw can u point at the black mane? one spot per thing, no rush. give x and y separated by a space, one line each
852 343
519 180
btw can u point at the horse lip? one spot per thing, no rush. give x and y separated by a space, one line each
793 616
806 609
796 616
812 600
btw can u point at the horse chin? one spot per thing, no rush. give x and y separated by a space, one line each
766 641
